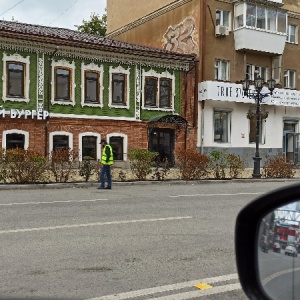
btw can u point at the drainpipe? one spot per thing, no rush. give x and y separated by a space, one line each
48 102
203 49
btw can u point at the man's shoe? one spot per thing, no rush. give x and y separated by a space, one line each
100 188
108 188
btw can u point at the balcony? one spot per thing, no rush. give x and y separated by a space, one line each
259 40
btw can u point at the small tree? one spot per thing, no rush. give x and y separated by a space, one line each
277 167
87 168
96 25
218 163
24 166
236 164
61 164
141 161
192 165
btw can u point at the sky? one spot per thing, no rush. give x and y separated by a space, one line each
53 13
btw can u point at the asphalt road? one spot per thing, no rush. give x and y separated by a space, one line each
153 241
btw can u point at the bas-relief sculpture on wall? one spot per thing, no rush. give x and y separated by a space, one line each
181 38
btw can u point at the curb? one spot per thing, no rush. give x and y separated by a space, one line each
132 183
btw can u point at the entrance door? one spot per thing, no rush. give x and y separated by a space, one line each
291 147
162 140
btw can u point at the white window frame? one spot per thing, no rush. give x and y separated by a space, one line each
229 123
273 18
219 65
92 68
262 71
98 136
11 131
52 134
18 59
223 13
289 80
289 36
125 142
119 70
63 64
166 74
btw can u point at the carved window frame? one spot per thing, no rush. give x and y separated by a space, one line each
16 131
63 64
126 73
18 59
160 76
96 69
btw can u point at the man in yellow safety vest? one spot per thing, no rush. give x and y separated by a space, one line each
107 161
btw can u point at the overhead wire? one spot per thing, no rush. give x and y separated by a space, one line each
64 11
11 7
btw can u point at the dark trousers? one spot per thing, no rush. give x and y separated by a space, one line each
105 171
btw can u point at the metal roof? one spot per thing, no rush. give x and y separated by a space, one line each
68 37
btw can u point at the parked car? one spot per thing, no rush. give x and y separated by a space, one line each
276 247
291 250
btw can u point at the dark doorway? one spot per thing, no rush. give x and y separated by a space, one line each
162 140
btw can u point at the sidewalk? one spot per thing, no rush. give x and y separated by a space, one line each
95 184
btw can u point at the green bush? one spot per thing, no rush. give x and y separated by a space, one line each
23 166
218 163
192 165
141 161
236 165
4 174
87 168
61 164
277 167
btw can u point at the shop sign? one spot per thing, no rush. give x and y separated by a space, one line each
223 91
23 113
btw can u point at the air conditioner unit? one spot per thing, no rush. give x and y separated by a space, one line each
222 30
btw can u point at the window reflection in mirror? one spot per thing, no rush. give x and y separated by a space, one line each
278 252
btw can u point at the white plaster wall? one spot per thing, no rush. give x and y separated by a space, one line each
240 124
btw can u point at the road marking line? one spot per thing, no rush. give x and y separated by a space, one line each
273 276
92 224
198 294
166 288
50 202
211 195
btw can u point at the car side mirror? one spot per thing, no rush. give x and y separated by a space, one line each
267 245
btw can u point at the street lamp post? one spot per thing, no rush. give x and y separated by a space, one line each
258 95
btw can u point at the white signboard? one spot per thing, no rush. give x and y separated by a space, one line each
223 91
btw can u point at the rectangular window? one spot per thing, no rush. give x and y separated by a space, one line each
292 34
15 79
252 71
165 92
89 147
62 84
250 15
118 89
117 144
222 126
261 18
290 79
91 87
222 17
60 142
150 91
271 19
222 70
15 140
158 97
